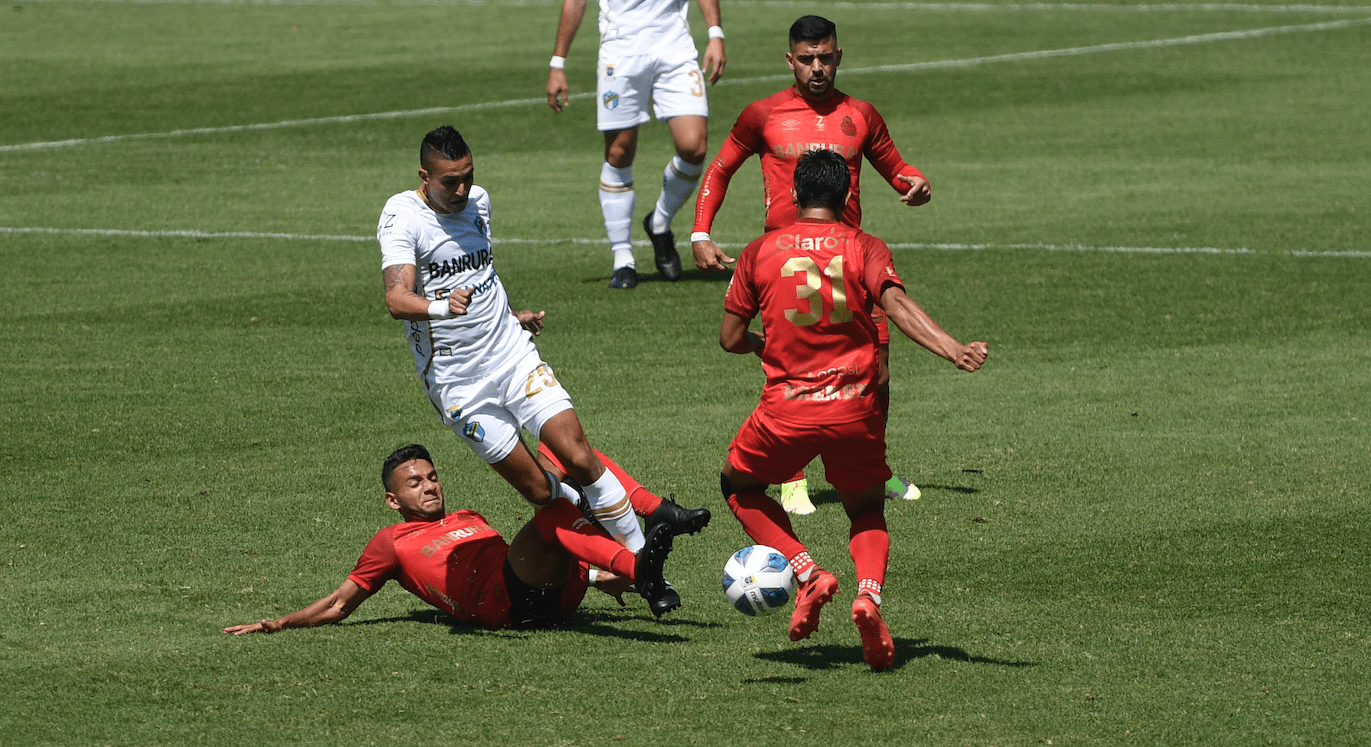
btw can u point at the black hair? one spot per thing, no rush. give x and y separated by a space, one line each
822 179
399 457
812 29
445 143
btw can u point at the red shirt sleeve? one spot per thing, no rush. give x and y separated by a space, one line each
881 151
378 563
743 141
878 270
741 298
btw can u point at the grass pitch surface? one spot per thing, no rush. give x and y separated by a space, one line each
1142 522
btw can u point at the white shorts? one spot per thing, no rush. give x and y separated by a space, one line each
625 83
487 412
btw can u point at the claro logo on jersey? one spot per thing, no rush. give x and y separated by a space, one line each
464 263
822 393
788 241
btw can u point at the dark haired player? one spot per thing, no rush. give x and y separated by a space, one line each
473 351
459 564
814 283
779 129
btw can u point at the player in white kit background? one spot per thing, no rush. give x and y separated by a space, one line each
473 352
645 52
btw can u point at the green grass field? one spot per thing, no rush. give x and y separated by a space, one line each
1144 522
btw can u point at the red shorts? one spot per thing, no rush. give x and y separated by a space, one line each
773 450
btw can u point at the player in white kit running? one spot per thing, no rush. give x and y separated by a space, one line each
472 350
645 51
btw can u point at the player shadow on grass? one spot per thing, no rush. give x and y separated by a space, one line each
831 656
829 495
654 277
588 623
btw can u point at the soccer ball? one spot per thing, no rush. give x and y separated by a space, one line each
758 580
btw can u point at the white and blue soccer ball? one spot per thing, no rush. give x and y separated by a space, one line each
758 580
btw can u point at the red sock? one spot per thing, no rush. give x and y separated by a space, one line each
767 523
561 523
870 549
643 500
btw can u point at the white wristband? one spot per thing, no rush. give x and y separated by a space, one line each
440 310
593 575
557 62
699 236
716 32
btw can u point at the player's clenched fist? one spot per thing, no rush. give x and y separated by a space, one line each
970 357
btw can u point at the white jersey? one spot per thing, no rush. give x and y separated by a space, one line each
632 27
451 252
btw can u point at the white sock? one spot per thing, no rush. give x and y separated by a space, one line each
678 182
616 202
614 511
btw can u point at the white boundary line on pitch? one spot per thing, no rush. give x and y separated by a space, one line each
576 240
1035 55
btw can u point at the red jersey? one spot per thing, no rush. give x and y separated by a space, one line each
815 284
784 126
455 564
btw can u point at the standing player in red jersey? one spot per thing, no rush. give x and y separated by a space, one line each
814 283
781 128
459 564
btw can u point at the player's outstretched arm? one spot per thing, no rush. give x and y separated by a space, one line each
918 326
329 610
557 90
735 337
714 59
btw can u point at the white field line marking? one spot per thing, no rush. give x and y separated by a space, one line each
641 242
1039 54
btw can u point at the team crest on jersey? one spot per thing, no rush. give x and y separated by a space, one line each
475 432
609 71
611 100
454 413
849 127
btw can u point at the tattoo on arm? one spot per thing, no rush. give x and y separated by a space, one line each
394 276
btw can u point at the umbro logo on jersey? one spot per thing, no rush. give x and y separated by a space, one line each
611 100
791 124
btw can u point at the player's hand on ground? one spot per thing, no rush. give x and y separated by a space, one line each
919 190
458 300
614 585
258 627
715 60
531 320
970 357
709 257
556 89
